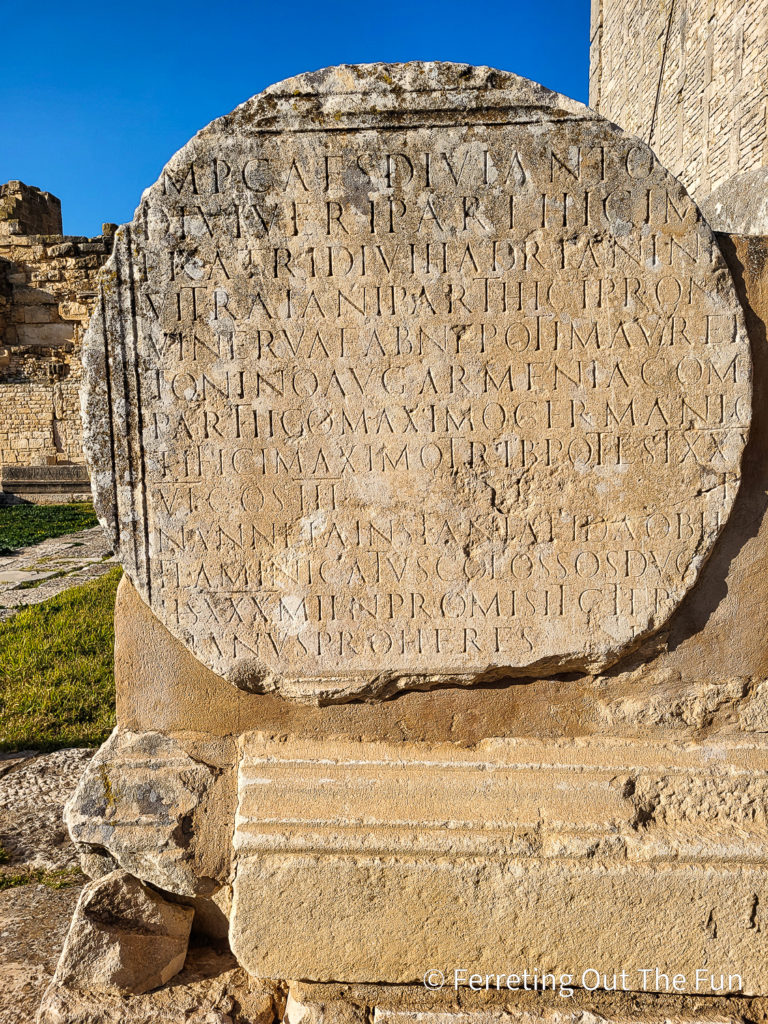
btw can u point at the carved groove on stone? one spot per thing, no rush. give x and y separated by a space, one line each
428 376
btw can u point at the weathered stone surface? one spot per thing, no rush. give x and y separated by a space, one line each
47 290
34 920
332 1011
211 989
124 937
412 375
689 77
516 1016
410 1003
740 205
512 852
157 812
586 827
25 210
32 795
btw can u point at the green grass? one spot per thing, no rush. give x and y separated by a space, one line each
56 670
62 878
22 525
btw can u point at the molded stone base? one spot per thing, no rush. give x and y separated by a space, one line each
384 861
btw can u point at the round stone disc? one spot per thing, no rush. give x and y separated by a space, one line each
411 375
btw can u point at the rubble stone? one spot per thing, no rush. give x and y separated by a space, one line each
145 804
124 937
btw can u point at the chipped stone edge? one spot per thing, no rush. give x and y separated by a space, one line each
260 113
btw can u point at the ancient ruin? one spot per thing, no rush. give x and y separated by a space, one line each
424 411
689 78
354 402
47 290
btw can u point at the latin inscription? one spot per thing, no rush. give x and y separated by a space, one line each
422 402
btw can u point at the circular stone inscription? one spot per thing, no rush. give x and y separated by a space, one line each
409 375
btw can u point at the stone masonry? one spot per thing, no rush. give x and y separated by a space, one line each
689 77
426 416
47 290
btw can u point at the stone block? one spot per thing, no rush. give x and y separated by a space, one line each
124 937
510 852
65 249
159 813
39 314
73 311
332 1011
45 334
27 296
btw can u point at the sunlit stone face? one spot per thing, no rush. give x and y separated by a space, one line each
417 375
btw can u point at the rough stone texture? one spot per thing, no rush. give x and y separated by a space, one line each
740 205
166 817
34 918
612 816
702 676
690 76
338 1011
411 330
25 210
47 290
405 1004
32 795
124 937
671 848
517 1016
33 924
211 989
443 856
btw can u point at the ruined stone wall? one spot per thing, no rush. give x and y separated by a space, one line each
25 210
6 269
711 58
47 290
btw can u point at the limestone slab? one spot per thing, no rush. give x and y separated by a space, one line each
383 861
406 375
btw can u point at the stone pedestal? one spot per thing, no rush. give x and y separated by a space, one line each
614 822
464 835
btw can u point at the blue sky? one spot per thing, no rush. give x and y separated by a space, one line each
96 97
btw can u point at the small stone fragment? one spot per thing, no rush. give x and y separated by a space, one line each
211 989
124 937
